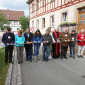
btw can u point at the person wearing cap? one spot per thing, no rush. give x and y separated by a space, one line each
28 47
81 43
56 44
72 44
20 39
37 39
47 40
8 38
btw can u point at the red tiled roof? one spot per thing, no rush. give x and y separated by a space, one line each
11 14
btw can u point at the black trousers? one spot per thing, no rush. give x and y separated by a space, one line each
64 51
8 54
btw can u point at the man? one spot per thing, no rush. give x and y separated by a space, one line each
72 44
47 39
65 39
56 44
28 47
8 38
81 43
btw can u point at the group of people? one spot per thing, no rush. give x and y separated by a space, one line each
54 44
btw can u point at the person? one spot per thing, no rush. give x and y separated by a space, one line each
81 43
37 39
72 44
28 47
56 44
47 40
8 38
20 39
65 39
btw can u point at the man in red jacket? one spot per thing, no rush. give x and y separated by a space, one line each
81 43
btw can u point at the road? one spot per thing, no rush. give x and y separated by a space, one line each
54 72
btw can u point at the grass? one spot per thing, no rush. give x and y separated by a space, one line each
3 67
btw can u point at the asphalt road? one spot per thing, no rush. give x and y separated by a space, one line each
54 72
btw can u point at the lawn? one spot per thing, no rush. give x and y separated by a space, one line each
3 67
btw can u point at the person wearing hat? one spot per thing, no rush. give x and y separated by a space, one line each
8 38
28 47
72 44
20 39
56 44
37 39
47 40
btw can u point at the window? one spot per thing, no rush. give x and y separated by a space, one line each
37 4
33 7
52 21
81 16
84 15
37 23
43 22
52 0
32 23
64 17
80 21
84 21
43 2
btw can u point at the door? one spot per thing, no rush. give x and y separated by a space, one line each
81 18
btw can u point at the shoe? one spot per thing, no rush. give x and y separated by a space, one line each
81 56
36 59
78 56
65 57
46 60
73 57
70 57
30 60
19 62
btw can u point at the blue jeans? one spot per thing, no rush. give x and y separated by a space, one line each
36 50
46 52
72 49
29 54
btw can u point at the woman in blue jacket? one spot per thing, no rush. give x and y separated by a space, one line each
37 39
20 39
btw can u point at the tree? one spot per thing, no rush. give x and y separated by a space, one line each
3 21
24 21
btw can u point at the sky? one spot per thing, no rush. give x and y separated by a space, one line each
19 5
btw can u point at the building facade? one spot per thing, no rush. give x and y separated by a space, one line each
51 13
13 17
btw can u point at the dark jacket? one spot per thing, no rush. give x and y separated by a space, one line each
47 38
65 36
28 39
73 37
8 38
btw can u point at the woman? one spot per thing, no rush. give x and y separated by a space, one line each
56 44
20 39
37 39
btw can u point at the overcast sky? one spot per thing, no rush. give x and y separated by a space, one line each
19 5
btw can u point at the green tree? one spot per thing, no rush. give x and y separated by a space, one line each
24 21
3 21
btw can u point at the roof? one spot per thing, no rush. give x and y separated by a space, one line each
29 1
11 14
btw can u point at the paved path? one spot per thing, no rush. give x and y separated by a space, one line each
54 72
